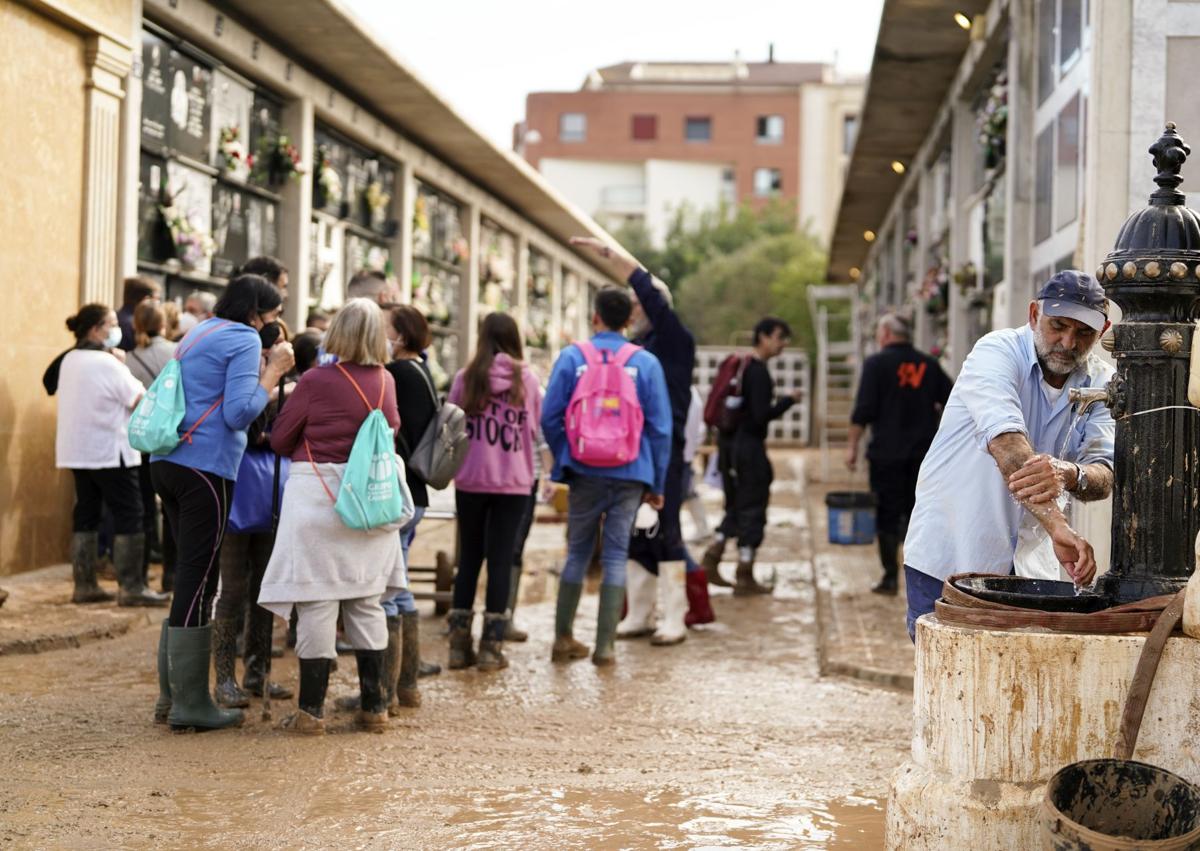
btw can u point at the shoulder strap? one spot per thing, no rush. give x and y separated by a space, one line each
626 352
361 394
427 382
133 353
591 355
181 351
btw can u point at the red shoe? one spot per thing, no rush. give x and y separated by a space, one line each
699 609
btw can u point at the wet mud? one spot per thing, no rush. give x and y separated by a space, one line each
729 740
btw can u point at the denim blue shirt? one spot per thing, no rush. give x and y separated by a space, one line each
223 365
650 467
965 518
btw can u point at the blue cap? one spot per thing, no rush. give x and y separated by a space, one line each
1075 295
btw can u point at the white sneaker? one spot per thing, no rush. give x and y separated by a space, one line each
672 603
639 597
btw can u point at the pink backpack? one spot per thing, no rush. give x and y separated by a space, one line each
604 416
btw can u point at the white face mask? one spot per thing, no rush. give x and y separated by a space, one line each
114 337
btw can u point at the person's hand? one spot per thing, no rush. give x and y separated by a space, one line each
547 491
654 500
602 249
282 358
852 458
797 395
1074 553
119 354
1040 479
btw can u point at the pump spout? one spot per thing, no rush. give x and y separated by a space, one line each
1085 397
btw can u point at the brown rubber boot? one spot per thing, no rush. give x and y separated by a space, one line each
746 585
711 562
491 646
407 693
462 652
566 648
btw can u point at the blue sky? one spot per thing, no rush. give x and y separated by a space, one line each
484 56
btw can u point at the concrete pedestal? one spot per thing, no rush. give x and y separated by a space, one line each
997 712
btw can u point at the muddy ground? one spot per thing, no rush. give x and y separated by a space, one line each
729 740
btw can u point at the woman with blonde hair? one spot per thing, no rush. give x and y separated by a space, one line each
320 566
503 402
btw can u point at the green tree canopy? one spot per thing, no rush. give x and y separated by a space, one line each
728 268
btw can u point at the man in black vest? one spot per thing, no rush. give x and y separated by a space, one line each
901 394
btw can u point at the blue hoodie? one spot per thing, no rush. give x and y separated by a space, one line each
650 467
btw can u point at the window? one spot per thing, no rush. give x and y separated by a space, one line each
697 129
645 127
572 127
1047 23
768 182
1066 174
728 187
849 133
1044 186
1070 34
770 129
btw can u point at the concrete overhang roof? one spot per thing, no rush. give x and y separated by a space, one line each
917 54
326 37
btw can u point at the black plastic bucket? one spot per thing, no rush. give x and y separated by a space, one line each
1119 805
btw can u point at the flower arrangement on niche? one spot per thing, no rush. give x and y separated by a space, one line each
328 184
231 150
193 246
278 160
992 122
934 291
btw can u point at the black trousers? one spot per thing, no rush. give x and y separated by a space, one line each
487 528
728 526
150 519
243 560
894 484
753 471
115 487
196 505
667 542
526 526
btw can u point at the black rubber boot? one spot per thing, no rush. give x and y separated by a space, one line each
711 562
84 547
889 553
257 660
373 715
491 645
462 654
226 693
309 720
162 707
511 631
127 561
407 693
188 659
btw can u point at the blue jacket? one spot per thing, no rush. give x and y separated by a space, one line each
672 343
650 467
223 364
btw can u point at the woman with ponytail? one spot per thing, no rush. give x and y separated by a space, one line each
503 402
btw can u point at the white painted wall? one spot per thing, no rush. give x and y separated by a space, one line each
823 163
672 185
583 181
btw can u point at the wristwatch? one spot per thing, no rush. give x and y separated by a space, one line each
1080 479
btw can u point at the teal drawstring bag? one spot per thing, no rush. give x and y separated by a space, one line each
371 494
154 424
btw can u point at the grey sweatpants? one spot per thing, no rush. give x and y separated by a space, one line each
316 628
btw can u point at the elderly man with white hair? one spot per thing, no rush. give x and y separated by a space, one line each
901 393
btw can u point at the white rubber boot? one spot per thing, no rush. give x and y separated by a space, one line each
672 603
639 596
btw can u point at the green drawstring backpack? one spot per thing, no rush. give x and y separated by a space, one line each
154 425
371 493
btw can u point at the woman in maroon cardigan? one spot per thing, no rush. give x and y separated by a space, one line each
319 565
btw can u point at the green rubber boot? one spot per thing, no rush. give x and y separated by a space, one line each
189 654
566 648
163 705
612 599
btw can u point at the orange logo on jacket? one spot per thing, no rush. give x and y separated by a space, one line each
911 375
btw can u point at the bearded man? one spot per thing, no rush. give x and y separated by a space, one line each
1010 445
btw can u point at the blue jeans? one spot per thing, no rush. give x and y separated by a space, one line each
923 591
593 497
403 602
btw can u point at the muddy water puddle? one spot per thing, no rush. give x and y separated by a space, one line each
605 819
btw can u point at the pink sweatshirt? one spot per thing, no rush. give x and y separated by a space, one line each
503 438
